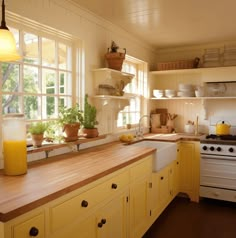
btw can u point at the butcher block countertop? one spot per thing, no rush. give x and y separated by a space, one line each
174 137
51 178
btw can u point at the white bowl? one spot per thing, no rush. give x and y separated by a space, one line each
158 95
170 93
158 91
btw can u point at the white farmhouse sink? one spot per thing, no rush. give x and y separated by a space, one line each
166 152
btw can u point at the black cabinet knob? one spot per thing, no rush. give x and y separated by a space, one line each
100 225
231 149
33 231
162 177
218 149
114 186
84 203
103 221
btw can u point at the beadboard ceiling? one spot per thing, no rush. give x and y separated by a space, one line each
170 23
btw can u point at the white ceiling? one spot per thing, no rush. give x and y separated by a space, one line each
170 23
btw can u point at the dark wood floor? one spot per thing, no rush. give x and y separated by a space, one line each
206 219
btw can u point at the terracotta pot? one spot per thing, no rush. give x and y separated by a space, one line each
115 60
71 131
90 133
37 140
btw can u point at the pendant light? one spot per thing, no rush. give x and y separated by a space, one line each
8 50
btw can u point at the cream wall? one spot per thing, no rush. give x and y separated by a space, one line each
95 32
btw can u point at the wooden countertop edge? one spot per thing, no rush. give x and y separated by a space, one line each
4 217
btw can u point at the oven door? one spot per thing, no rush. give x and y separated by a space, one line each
218 171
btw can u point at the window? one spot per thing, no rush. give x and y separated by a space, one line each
43 80
137 89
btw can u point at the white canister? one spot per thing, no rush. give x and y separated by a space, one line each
189 128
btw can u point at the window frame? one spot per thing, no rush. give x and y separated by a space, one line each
77 59
141 77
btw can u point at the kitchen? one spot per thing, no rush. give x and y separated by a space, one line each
76 21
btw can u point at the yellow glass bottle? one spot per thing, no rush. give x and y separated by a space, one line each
14 144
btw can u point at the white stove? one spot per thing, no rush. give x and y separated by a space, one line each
218 167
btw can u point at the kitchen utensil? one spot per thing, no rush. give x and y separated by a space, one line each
222 128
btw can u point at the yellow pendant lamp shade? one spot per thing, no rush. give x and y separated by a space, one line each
8 50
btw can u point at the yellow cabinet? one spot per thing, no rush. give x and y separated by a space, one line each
93 212
189 169
117 205
85 228
164 189
140 198
111 220
31 224
165 186
176 177
108 221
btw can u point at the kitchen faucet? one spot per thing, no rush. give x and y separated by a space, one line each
139 133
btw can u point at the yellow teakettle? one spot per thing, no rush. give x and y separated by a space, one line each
222 128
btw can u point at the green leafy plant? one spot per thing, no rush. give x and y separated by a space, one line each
70 115
90 113
38 128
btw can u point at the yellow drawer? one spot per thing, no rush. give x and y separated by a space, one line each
66 212
141 169
29 228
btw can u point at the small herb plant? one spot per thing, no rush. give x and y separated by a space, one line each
90 113
114 47
38 128
70 115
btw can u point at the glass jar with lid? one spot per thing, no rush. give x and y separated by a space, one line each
14 144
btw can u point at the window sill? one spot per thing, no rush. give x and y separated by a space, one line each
47 147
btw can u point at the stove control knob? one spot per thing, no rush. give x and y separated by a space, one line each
204 147
218 149
231 149
212 148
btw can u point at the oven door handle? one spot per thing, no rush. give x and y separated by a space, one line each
224 157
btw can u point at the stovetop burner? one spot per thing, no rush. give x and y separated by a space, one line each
221 137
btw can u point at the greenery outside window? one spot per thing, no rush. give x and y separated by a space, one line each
137 89
43 79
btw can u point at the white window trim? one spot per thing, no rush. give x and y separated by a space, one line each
78 66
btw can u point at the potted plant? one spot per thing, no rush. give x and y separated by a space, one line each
90 121
114 58
70 118
37 130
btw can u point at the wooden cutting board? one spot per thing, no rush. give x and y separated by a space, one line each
163 114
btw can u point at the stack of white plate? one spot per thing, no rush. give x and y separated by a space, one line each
158 93
170 93
186 90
